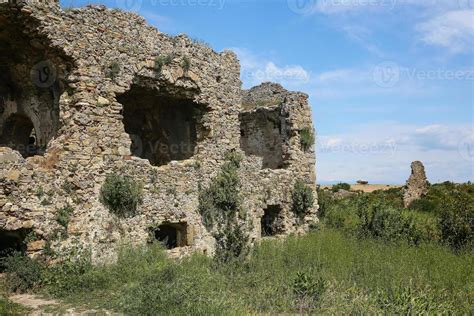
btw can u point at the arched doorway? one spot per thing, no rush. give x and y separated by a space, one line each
18 133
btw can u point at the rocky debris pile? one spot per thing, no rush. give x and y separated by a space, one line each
417 185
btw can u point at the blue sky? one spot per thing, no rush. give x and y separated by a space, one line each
390 81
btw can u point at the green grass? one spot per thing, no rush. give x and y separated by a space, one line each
9 308
362 275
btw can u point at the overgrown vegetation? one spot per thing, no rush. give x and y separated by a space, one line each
22 272
302 199
368 256
9 308
341 186
186 64
161 61
325 272
445 215
112 71
307 138
121 195
63 215
221 212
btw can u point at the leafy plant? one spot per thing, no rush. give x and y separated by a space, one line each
389 224
22 272
232 244
113 70
161 61
186 64
63 215
341 186
302 197
121 195
307 138
220 209
457 221
308 290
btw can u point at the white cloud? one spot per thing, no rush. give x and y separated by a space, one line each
332 7
453 30
256 69
382 152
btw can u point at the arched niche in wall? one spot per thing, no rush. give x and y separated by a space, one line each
164 126
30 87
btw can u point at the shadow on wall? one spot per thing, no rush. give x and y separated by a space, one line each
162 128
263 135
29 92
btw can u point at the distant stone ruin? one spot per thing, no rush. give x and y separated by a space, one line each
417 185
92 91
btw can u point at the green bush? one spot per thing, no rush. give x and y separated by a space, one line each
186 64
325 202
221 212
307 138
302 199
232 244
22 272
457 221
113 71
121 194
71 276
341 186
63 215
383 222
161 61
221 201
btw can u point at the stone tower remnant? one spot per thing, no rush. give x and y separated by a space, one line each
417 185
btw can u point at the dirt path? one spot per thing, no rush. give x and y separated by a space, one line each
39 306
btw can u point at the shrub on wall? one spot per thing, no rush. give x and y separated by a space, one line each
64 215
161 61
121 195
307 138
113 71
220 208
303 198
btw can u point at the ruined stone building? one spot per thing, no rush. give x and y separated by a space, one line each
417 184
92 91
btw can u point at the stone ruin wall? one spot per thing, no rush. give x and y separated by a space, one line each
69 130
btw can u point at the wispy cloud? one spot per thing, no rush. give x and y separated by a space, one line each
257 69
382 152
453 30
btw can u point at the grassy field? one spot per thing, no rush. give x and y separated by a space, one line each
367 256
325 272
